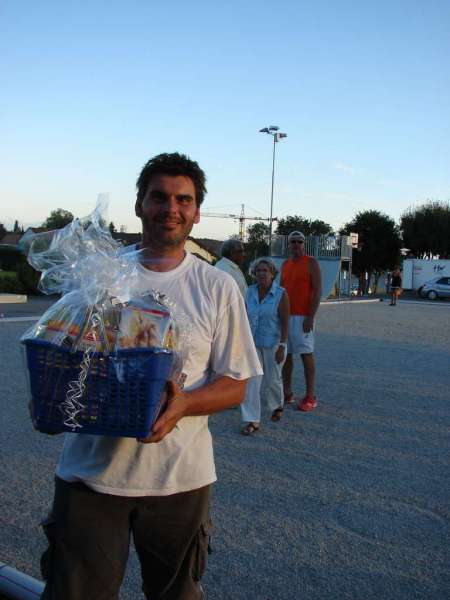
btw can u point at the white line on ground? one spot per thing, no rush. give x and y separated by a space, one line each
386 301
18 319
331 302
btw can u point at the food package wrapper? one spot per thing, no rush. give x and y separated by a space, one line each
99 358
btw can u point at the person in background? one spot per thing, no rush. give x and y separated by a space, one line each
300 276
396 286
387 283
268 313
233 256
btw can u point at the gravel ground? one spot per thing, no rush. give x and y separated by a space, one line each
350 501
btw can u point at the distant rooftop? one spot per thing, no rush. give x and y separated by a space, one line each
127 238
212 246
11 239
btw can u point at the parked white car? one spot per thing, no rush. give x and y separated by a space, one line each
438 287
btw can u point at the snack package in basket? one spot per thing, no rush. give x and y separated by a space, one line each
98 360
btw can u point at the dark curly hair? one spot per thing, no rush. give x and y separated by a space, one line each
172 164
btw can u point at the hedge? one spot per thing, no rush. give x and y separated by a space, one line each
16 275
10 257
10 283
28 278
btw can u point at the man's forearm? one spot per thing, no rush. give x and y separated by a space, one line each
222 393
206 400
315 303
283 312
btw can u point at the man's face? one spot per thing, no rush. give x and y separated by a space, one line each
169 210
238 255
296 246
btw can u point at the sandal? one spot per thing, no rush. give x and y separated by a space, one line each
249 429
289 398
276 415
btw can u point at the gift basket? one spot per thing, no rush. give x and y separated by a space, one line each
99 358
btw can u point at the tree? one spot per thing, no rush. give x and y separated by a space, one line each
257 241
16 228
112 228
306 226
318 227
379 245
3 231
426 230
58 219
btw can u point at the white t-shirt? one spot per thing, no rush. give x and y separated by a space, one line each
228 266
221 344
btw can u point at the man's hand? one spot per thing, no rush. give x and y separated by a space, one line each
308 324
280 354
208 399
170 417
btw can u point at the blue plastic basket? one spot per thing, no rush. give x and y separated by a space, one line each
122 394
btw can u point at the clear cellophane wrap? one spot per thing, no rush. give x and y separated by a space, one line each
104 307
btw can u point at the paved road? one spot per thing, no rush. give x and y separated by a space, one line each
351 501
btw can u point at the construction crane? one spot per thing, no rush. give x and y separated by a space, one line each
241 218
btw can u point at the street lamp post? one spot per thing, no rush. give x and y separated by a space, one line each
273 131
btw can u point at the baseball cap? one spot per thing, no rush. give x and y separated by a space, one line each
297 235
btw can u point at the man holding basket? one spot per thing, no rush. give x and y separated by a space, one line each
157 488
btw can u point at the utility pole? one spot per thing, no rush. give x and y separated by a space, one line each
273 131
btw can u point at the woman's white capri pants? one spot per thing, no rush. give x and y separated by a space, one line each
269 385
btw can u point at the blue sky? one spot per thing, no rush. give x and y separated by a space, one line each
90 91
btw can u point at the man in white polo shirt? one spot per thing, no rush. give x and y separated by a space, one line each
233 256
156 489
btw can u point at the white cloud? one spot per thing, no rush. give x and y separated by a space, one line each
339 166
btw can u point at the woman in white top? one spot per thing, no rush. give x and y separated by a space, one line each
268 314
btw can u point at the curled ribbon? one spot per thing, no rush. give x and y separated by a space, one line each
72 405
